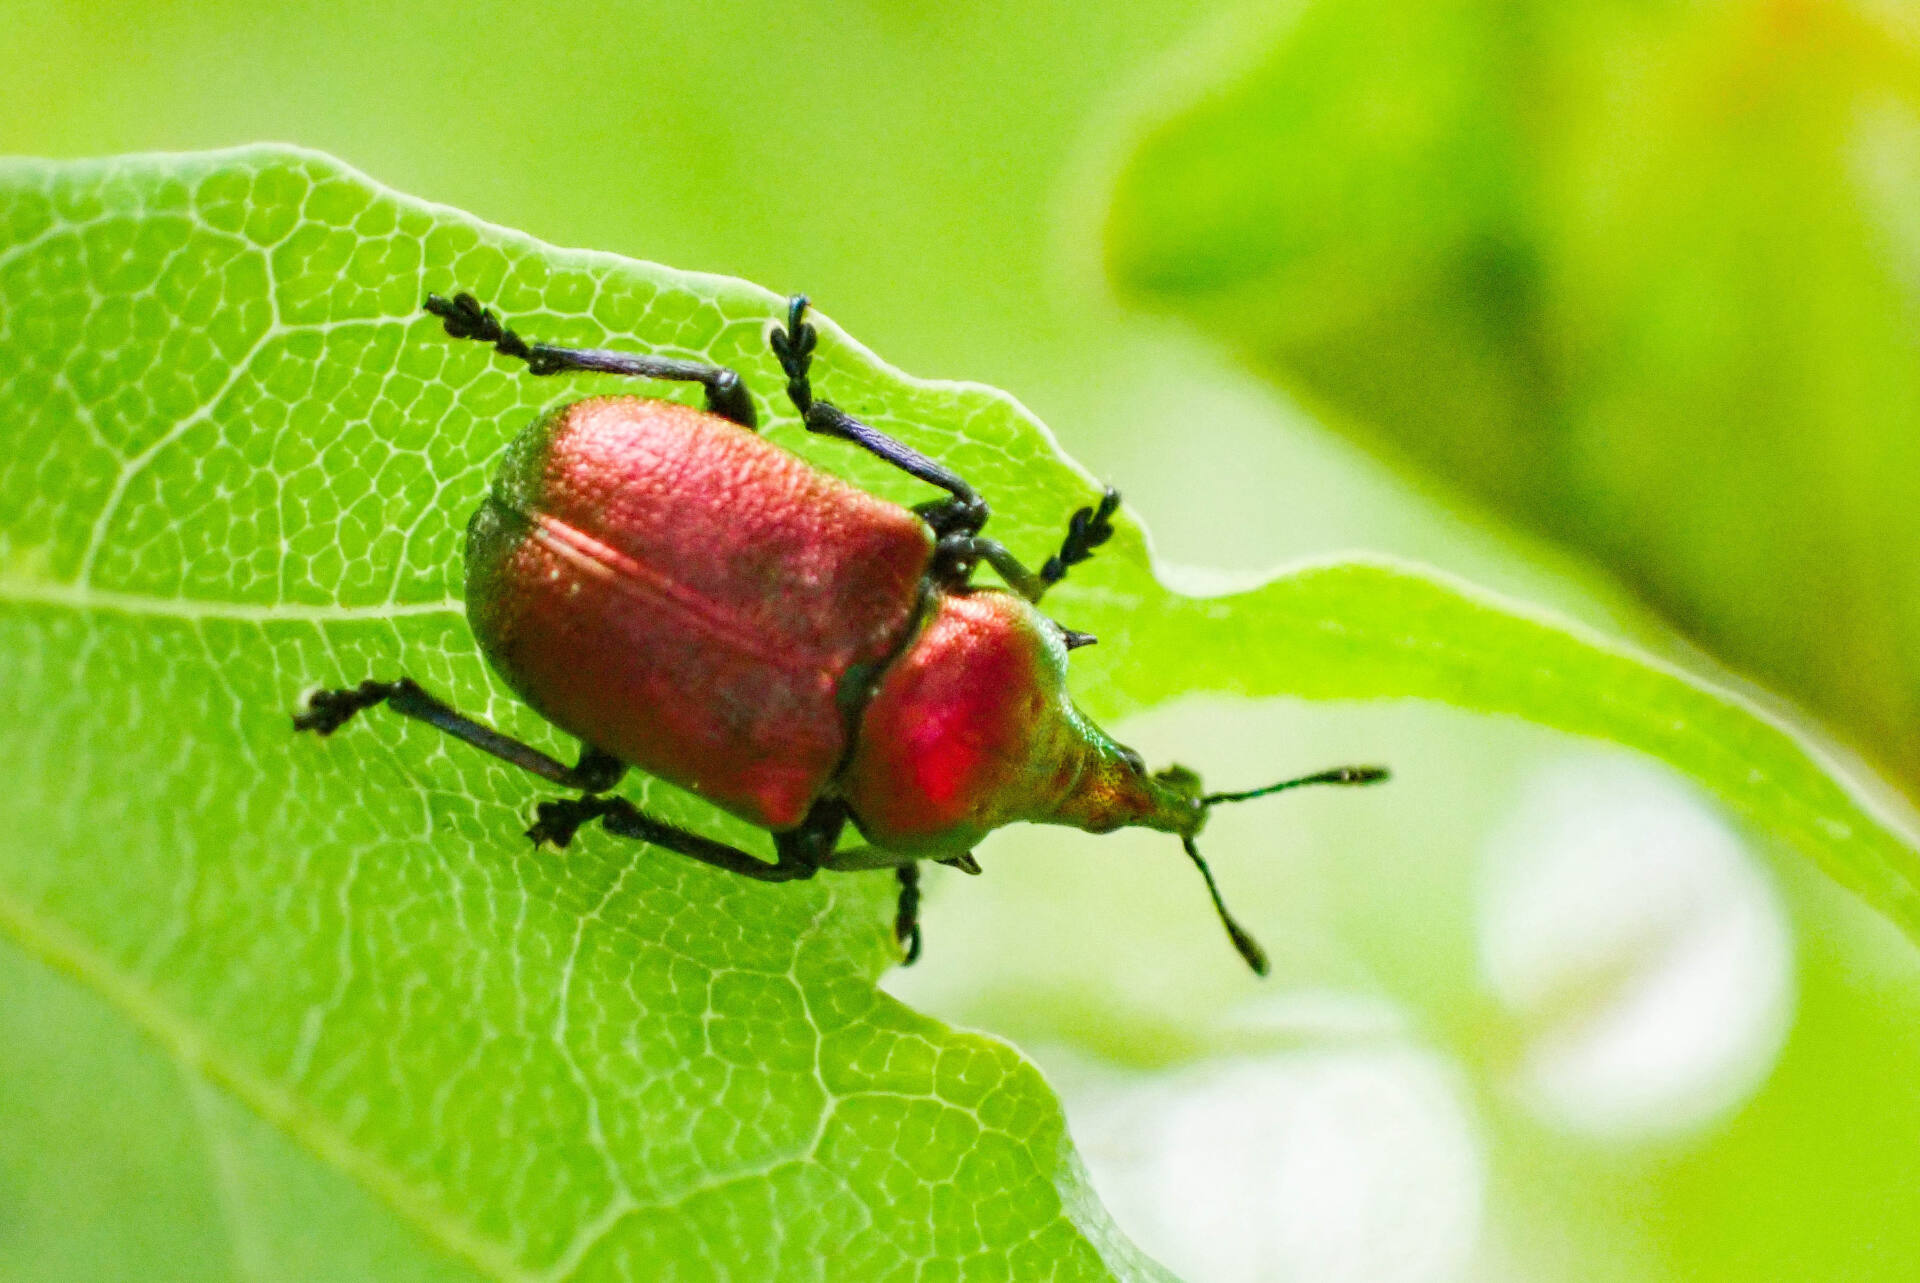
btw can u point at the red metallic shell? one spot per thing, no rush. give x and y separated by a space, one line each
680 592
971 728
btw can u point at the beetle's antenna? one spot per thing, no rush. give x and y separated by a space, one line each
1249 947
1338 775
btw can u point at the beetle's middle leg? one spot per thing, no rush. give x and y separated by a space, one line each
558 821
964 513
464 318
956 520
327 711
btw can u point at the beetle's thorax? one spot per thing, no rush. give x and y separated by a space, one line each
971 728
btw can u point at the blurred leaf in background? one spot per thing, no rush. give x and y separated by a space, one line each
1642 277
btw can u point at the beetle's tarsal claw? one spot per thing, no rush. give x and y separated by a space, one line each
1087 529
906 918
461 316
794 347
795 350
555 823
965 863
323 713
326 711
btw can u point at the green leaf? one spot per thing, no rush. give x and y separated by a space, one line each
239 463
1644 279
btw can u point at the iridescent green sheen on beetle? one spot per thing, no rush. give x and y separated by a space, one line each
685 597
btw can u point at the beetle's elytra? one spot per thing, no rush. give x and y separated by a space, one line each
685 597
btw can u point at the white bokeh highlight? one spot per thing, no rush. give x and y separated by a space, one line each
1326 1163
1645 959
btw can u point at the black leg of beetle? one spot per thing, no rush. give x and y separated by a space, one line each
328 710
955 556
813 841
964 513
1087 529
466 319
906 919
558 821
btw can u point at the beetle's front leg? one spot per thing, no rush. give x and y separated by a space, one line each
558 821
906 868
906 917
1087 529
956 554
813 843
464 318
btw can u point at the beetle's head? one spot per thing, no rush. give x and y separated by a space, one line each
1175 802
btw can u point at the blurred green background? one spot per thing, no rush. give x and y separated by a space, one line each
1538 1012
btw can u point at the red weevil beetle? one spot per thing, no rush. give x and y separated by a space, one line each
685 597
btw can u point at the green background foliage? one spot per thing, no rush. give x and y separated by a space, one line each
932 178
1643 278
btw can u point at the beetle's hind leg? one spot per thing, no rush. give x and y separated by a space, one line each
464 318
326 711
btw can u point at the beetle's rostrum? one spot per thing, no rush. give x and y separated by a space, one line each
685 597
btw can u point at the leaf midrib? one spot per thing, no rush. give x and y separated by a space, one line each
40 592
